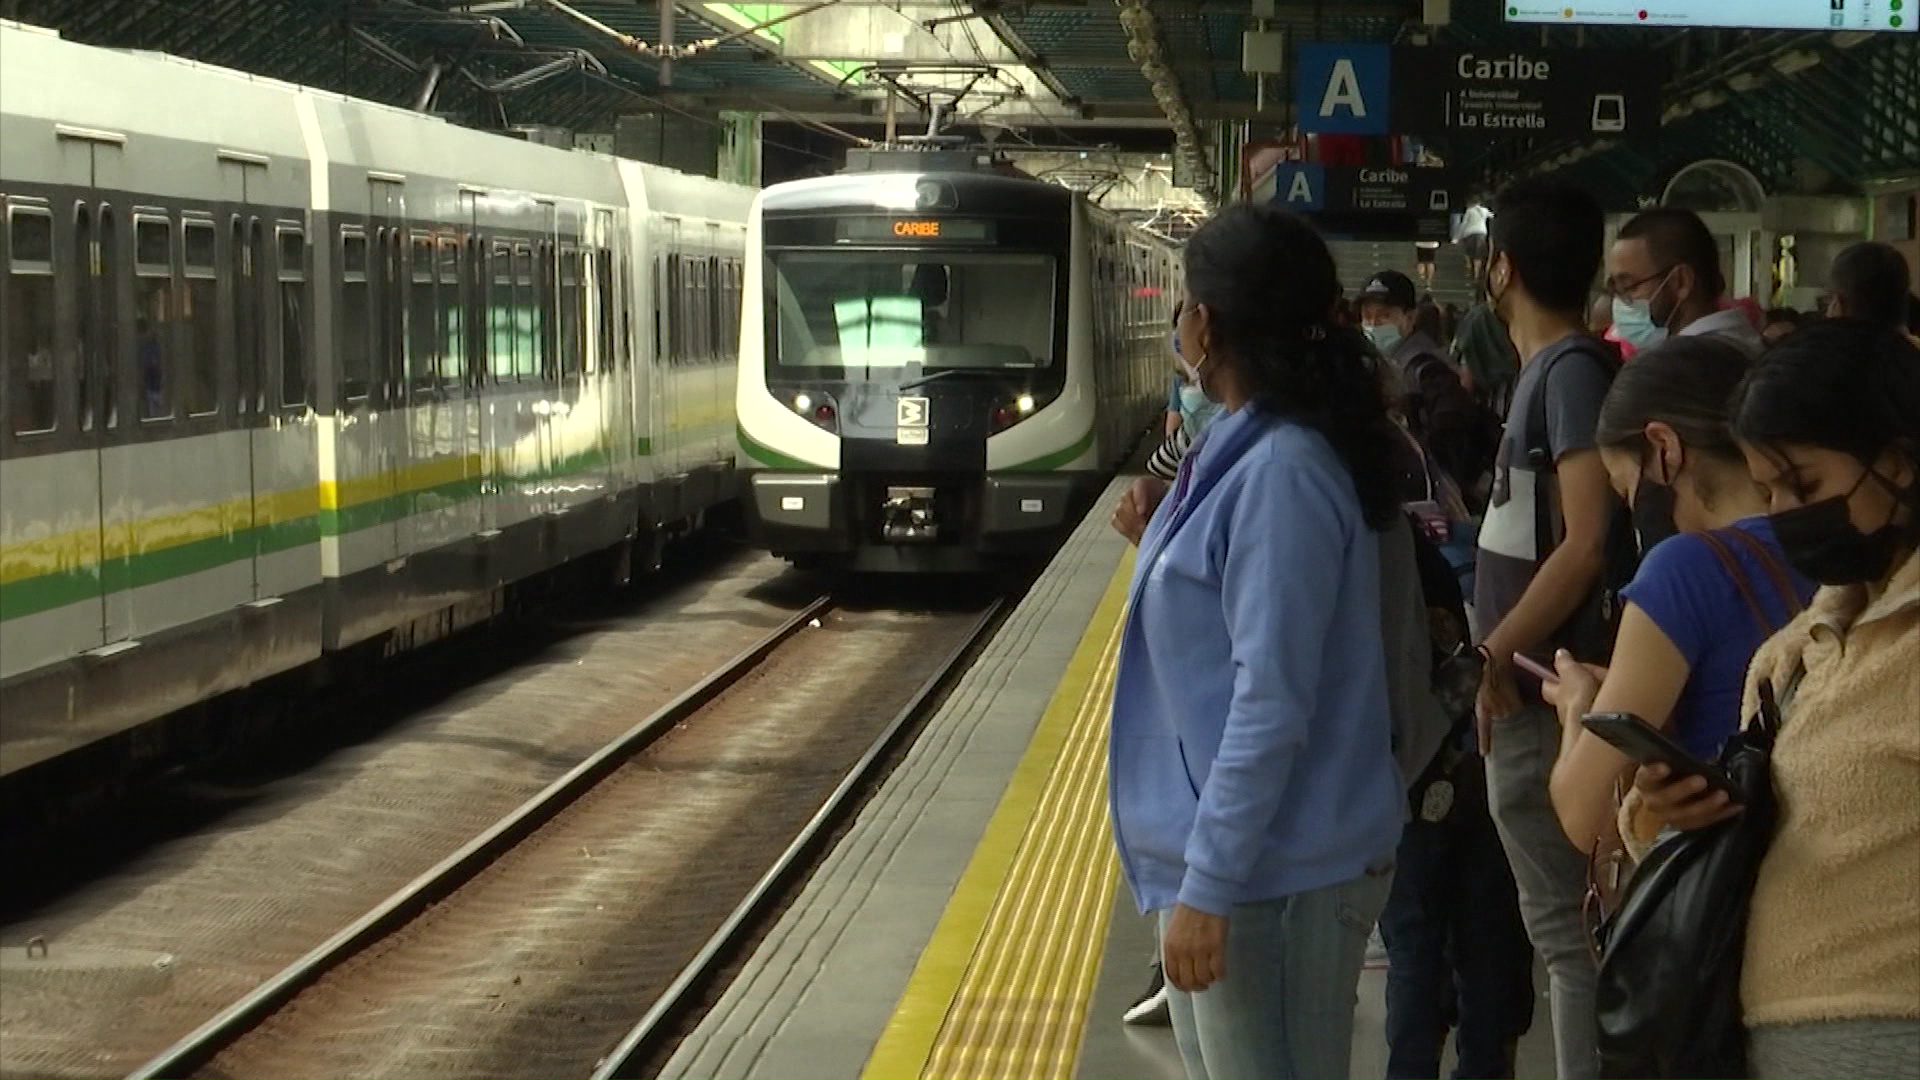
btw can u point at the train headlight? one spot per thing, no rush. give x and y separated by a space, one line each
1023 404
803 403
820 410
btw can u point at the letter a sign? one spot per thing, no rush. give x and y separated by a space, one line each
1342 89
1300 187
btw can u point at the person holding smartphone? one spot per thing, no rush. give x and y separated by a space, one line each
1829 421
1712 583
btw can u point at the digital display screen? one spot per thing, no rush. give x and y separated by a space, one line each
913 230
1896 15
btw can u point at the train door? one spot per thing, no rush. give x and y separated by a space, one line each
670 355
111 479
436 421
383 418
246 432
473 266
602 374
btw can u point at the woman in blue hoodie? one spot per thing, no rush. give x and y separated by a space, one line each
1253 790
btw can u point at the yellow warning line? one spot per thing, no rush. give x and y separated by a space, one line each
1003 987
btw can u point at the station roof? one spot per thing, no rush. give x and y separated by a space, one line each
1768 99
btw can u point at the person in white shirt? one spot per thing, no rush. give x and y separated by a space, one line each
1473 238
1663 273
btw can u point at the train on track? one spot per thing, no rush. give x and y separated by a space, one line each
291 376
940 363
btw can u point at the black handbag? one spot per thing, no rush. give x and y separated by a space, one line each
1668 997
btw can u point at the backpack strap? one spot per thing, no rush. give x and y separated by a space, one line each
1549 526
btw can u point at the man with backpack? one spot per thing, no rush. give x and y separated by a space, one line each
1549 547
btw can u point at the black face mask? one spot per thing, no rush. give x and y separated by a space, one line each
1652 512
1820 541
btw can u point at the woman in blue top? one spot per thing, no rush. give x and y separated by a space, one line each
1253 790
1712 584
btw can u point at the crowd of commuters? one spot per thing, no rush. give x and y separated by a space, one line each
1735 509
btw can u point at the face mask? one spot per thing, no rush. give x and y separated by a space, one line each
1633 322
1652 512
1385 336
1192 398
1820 541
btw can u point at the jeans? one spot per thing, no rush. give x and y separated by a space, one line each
1285 1007
1552 877
1455 944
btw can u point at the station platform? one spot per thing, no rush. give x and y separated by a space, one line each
972 922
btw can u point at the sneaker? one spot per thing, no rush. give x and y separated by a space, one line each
1376 949
1151 1007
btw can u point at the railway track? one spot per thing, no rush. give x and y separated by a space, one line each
574 934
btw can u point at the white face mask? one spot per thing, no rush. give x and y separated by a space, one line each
1385 336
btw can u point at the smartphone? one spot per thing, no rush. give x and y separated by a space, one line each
1646 744
1535 668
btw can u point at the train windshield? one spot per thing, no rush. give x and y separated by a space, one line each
868 311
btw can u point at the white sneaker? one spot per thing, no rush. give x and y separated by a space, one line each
1376 948
1151 1008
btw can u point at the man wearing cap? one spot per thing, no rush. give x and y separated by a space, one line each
1436 403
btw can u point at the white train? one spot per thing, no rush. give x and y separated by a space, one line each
940 362
288 373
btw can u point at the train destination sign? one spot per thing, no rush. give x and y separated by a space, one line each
916 230
1366 89
1365 200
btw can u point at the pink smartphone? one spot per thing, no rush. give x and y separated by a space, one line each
1535 668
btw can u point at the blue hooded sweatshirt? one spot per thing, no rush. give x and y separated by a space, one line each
1251 752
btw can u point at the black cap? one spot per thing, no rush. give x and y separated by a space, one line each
1391 286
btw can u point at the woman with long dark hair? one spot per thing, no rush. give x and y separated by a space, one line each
1255 799
1829 421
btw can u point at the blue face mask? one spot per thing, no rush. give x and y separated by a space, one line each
1385 336
1633 323
1192 399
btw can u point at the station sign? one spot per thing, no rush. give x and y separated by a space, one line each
1552 93
1366 89
1310 188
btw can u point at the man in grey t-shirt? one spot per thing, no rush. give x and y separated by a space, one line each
1546 247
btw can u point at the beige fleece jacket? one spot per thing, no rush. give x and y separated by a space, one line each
1835 928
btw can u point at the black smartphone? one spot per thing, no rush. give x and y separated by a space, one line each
1647 744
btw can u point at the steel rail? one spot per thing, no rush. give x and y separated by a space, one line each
646 1036
199 1047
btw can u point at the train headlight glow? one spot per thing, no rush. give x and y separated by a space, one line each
1023 404
802 404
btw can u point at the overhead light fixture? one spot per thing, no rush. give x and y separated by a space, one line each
1746 82
1794 62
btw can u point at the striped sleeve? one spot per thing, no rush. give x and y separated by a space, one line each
1165 462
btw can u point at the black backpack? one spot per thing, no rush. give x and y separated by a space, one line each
1458 429
1589 634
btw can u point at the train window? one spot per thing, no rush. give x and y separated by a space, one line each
29 340
249 347
546 283
452 312
677 317
293 315
572 321
156 312
660 294
423 318
527 328
503 320
200 311
106 366
87 323
354 329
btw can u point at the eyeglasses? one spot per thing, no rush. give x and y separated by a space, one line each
1626 291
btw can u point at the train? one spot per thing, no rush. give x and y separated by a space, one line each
291 376
940 362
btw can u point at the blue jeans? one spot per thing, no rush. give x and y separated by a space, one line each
1285 1007
1457 952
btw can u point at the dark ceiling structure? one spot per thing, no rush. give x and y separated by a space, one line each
1798 109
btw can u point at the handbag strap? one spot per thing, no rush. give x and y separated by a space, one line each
1782 583
1716 542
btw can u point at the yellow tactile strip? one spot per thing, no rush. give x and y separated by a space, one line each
1003 987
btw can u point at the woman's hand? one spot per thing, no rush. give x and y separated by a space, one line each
1683 802
1136 507
1573 692
1193 949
